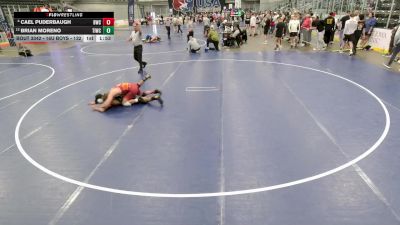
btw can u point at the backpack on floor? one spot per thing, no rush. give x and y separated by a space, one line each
25 52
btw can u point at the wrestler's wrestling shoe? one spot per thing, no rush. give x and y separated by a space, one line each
157 91
158 98
148 76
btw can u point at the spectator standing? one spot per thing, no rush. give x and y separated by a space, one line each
267 24
168 27
359 32
341 29
253 24
320 28
206 23
329 23
396 49
280 32
349 29
306 29
294 29
369 26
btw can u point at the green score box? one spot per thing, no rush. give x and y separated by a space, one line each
108 30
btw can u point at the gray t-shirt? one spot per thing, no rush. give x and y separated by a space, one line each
136 38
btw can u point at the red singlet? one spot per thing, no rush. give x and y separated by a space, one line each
129 90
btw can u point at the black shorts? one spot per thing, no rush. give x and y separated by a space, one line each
266 30
247 21
348 37
293 34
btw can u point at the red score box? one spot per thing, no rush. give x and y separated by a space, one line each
108 21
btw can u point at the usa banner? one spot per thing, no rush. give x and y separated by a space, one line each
131 16
185 6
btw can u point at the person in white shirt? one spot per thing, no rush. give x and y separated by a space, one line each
190 23
175 23
294 29
180 23
193 45
168 27
253 24
136 39
236 35
206 22
349 28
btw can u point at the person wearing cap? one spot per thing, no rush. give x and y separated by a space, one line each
213 37
125 94
136 39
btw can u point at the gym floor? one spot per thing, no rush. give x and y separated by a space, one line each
244 137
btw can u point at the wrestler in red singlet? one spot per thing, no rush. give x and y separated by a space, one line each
129 90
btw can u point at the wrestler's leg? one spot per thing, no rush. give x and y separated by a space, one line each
149 98
141 82
149 92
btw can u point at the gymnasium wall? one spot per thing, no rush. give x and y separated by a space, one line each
120 10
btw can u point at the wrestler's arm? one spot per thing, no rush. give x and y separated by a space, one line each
108 102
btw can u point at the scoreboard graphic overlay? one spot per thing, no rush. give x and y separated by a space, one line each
64 26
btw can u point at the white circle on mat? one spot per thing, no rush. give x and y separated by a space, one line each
41 82
210 194
129 54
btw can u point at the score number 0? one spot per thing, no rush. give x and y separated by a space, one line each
108 22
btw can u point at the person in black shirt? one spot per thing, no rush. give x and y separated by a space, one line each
320 27
280 32
391 44
190 34
329 23
247 20
358 32
267 24
342 23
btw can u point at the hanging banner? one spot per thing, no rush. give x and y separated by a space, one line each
131 15
6 28
238 4
185 6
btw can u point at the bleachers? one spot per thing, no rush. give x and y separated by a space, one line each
383 13
11 6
